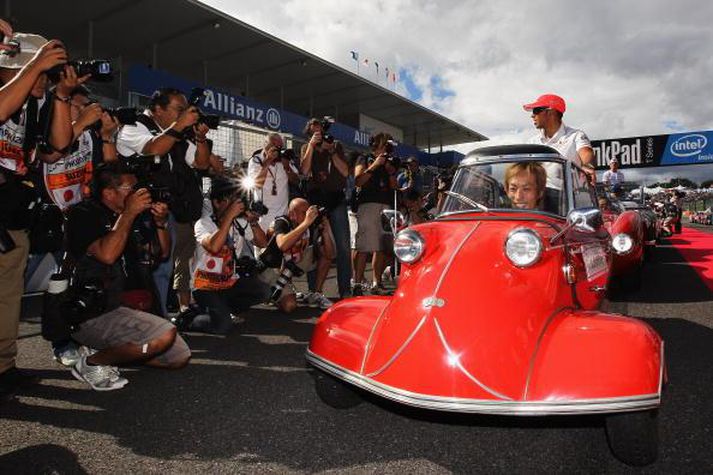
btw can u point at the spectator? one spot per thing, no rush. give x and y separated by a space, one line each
102 241
411 177
525 184
572 144
302 236
412 207
169 128
613 177
324 163
22 99
270 175
375 175
224 235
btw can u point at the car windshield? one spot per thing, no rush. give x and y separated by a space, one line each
512 185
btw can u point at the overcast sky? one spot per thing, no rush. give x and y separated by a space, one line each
625 68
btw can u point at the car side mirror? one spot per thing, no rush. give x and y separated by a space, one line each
586 220
391 220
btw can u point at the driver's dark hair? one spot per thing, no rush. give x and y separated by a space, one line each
108 175
162 97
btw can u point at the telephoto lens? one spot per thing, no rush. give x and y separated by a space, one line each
289 270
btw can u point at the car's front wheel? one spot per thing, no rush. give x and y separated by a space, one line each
334 392
633 436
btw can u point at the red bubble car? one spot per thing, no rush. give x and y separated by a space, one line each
497 310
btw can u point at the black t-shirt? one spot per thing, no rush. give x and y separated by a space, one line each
87 222
377 189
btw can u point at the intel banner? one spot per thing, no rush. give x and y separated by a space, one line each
145 81
656 150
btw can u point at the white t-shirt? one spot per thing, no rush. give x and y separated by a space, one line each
67 180
133 138
217 271
276 174
567 141
613 178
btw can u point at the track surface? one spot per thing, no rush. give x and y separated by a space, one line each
246 404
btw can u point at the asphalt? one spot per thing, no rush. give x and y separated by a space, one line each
246 404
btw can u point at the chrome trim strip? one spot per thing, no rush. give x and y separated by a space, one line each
661 363
462 369
537 348
399 351
371 334
453 257
515 408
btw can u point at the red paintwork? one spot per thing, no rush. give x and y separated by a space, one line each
631 223
507 325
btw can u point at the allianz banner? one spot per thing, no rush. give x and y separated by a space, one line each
691 148
145 81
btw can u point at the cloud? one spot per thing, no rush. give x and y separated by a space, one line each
624 68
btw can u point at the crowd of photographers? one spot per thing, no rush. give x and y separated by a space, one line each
115 196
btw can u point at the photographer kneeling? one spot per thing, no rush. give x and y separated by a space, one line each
101 240
224 270
302 237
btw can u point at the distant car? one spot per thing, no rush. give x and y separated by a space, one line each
633 230
497 312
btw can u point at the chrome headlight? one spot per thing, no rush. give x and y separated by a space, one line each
408 246
622 243
523 247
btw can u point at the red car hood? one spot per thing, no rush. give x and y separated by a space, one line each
464 320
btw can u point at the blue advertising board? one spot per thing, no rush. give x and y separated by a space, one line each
145 81
692 148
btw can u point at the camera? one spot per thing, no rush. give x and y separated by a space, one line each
257 207
99 69
286 153
123 115
247 266
326 123
159 194
211 120
86 301
289 270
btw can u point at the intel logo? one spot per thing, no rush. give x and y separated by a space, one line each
689 145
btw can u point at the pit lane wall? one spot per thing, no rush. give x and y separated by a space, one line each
690 148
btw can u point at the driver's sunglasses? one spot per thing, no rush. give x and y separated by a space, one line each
538 110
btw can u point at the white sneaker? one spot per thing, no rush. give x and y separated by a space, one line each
99 377
317 299
310 299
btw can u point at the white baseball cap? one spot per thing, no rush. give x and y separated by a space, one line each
27 46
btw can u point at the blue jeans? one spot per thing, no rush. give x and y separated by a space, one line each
339 222
162 274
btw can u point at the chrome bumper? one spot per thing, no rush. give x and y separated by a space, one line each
499 407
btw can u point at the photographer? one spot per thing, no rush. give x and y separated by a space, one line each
376 176
272 172
225 273
322 160
33 126
411 178
302 237
102 240
170 129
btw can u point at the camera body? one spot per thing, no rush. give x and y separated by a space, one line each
211 120
123 115
99 69
246 266
326 123
257 207
86 301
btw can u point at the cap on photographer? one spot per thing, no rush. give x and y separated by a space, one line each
24 110
271 173
170 128
224 269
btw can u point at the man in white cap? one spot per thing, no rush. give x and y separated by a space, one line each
24 61
613 177
572 144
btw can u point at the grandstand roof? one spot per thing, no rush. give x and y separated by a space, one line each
198 42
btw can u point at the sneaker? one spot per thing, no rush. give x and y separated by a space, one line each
301 296
358 288
67 354
386 275
378 289
100 378
115 375
317 299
